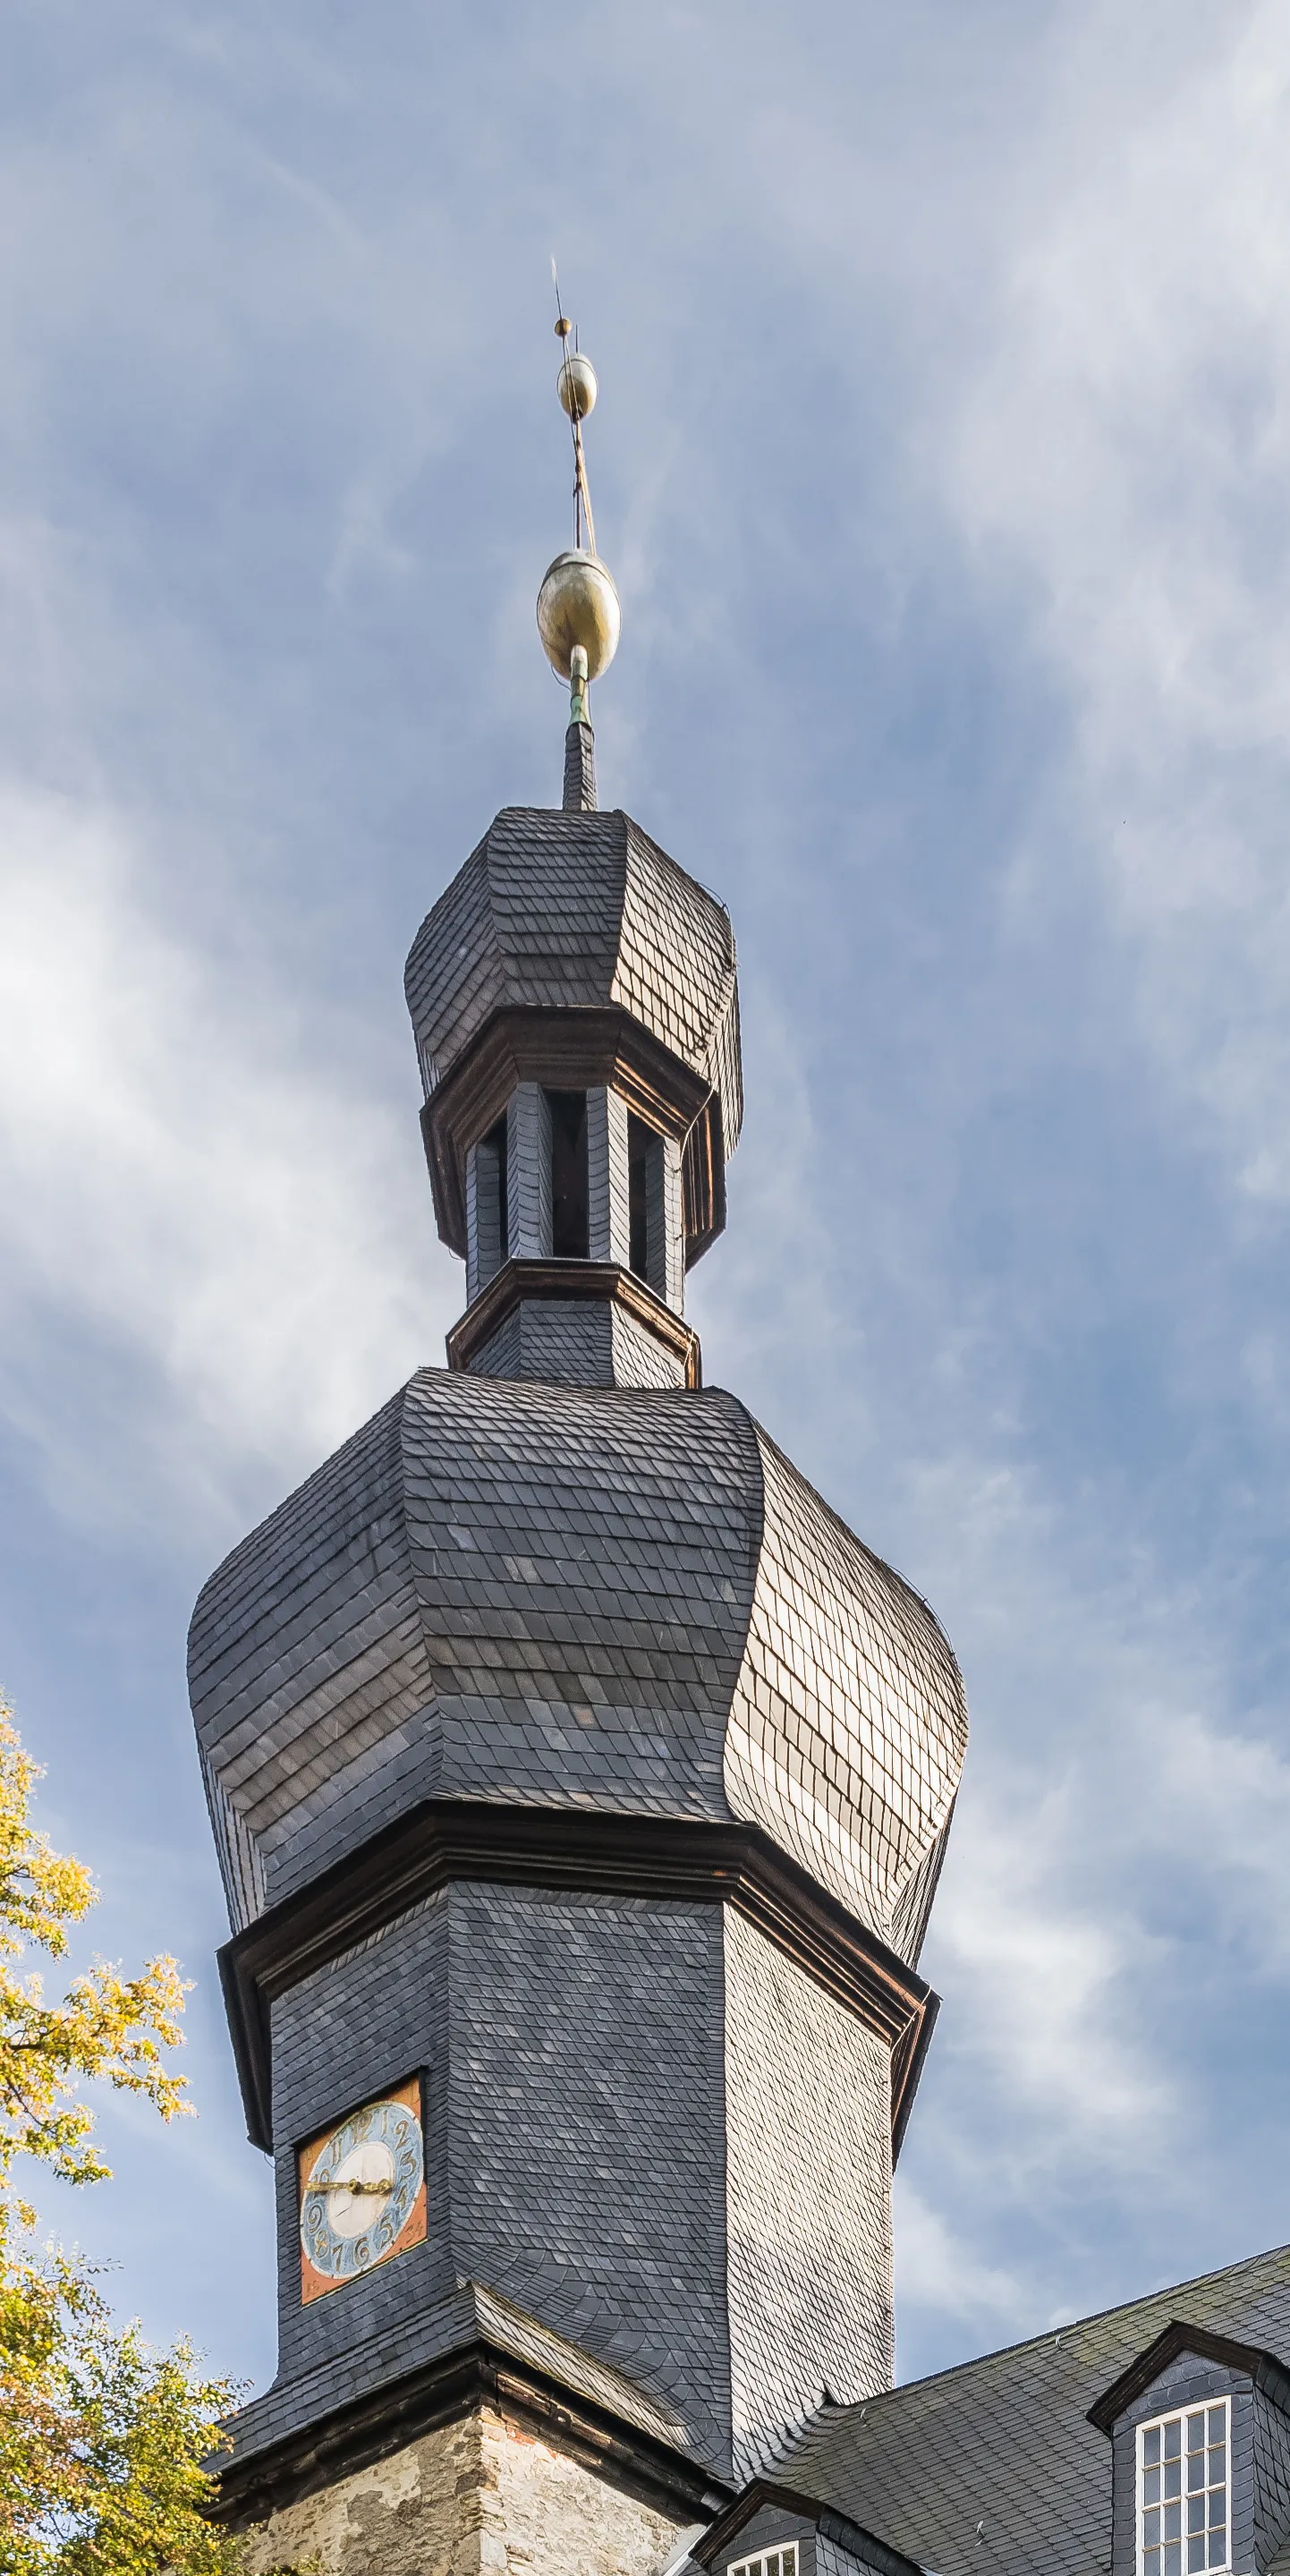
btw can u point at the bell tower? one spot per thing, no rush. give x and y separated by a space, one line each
580 1784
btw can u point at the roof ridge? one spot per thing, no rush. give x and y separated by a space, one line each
1071 2325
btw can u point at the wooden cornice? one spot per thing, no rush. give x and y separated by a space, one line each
574 1049
604 1282
386 2419
442 1839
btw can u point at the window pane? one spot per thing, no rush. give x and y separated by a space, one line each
1195 2554
1151 2443
1173 2439
1218 2549
1195 2468
1196 2431
1151 2486
1218 2464
1218 2423
1196 2513
1151 2527
1173 2522
1173 2559
1218 2506
1151 2562
1173 2477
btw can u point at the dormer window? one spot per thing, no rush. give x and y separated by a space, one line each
1184 2517
769 2562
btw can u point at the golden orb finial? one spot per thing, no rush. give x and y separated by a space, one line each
577 606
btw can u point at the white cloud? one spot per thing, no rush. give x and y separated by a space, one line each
935 2268
196 1186
1121 454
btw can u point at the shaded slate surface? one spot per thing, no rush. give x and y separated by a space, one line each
614 1598
557 910
807 2154
644 2127
1004 2442
465 2316
570 2050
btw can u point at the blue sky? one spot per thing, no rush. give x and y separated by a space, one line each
942 460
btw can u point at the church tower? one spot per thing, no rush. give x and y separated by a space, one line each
580 1785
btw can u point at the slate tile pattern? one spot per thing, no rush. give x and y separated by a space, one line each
1003 2442
808 2186
1271 2478
571 2056
586 2123
643 2126
308 1666
610 1598
464 2316
565 1580
567 910
829 1744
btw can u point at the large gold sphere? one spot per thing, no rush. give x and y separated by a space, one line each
576 385
578 604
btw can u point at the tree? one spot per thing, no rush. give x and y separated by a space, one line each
101 2439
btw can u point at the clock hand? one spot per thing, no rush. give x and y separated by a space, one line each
357 2190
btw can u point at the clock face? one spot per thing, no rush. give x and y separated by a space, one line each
362 2192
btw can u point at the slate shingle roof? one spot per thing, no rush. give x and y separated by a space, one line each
570 911
1005 2441
616 1598
469 2315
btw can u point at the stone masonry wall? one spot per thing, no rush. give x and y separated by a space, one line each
481 2497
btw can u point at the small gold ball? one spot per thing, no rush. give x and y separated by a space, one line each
563 328
578 604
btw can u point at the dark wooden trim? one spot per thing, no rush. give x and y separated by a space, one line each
703 1182
604 1282
568 1049
369 2428
443 1839
1170 2344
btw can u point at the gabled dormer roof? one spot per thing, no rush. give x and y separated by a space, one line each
1178 2339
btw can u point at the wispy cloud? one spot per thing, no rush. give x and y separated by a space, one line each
206 1203
942 456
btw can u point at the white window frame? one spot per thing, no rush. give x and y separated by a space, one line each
1207 2406
780 2559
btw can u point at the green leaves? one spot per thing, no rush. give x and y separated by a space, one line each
107 2028
102 2440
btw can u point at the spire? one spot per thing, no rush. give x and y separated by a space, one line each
577 607
579 742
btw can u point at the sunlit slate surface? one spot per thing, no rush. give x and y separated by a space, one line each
620 1599
577 911
994 2464
848 1726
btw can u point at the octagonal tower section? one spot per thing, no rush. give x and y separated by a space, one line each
576 1773
575 1006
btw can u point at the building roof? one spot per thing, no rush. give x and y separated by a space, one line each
994 2465
573 912
469 2314
606 1598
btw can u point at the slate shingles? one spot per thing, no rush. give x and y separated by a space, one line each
1004 2441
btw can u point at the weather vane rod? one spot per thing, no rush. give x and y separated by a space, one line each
577 608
